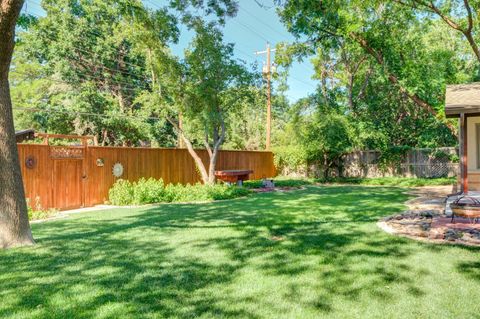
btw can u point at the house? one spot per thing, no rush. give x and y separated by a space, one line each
24 135
463 102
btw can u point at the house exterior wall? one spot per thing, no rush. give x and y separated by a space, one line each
472 156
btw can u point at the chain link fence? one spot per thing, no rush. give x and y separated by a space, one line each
425 163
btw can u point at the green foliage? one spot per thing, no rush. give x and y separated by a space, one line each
114 58
454 158
200 192
79 67
327 138
392 181
291 156
121 193
392 156
281 182
36 212
378 181
246 120
149 191
105 68
314 133
200 88
376 60
451 157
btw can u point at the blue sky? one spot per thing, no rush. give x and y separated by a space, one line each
249 31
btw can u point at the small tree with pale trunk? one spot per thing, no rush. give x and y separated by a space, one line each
195 89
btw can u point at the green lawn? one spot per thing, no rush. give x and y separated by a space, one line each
311 253
377 181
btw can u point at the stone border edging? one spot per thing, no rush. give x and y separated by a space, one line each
415 209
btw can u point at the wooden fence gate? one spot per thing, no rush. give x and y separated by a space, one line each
68 176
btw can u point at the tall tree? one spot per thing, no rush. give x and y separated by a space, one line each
83 65
212 75
200 88
385 32
86 52
14 226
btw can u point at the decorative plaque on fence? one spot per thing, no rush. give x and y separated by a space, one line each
66 152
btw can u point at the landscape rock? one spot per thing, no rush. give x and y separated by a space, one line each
431 223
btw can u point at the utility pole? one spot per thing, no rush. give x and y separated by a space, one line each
267 70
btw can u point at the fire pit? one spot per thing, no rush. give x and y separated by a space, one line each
467 207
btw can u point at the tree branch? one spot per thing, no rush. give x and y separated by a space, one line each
444 17
394 79
430 7
361 93
206 142
469 16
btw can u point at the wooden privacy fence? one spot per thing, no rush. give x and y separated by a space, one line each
66 177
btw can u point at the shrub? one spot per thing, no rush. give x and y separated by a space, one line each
219 192
37 212
147 191
154 191
121 193
380 181
200 192
292 157
183 193
326 140
393 181
281 182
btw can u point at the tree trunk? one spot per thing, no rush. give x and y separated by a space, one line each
217 143
473 44
198 161
326 168
212 166
14 226
213 161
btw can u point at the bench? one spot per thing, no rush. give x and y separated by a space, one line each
236 176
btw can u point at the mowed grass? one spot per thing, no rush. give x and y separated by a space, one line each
312 253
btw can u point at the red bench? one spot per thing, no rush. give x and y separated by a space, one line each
233 176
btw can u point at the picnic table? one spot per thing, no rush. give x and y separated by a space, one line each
234 175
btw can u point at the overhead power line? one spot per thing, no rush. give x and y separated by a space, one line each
126 62
248 28
127 87
68 112
304 82
264 23
86 50
236 48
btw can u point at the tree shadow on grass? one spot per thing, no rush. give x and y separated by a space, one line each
75 280
470 269
190 260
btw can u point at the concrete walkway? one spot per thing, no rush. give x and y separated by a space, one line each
65 213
